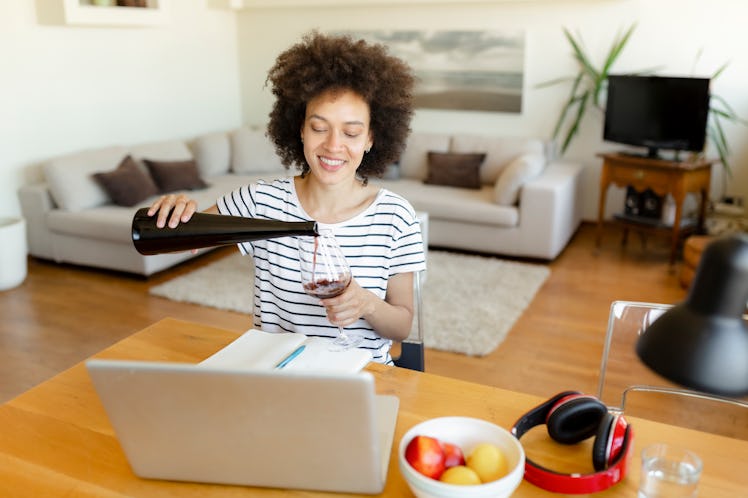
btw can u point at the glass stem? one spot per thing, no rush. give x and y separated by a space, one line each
341 333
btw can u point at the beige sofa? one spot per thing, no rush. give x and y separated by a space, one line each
71 219
528 205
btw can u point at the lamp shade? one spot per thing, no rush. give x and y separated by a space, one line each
702 343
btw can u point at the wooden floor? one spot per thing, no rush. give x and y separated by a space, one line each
62 314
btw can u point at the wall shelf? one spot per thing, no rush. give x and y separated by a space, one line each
273 4
250 4
85 14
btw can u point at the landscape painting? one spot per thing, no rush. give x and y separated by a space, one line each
461 70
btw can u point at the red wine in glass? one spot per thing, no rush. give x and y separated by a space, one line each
325 274
325 289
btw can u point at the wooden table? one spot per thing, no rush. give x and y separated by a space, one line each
676 178
57 441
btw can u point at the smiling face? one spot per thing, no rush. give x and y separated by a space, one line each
336 135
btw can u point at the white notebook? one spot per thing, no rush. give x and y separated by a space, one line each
258 350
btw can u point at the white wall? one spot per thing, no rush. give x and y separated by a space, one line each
65 88
669 35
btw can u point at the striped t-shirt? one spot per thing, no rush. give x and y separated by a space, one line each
382 241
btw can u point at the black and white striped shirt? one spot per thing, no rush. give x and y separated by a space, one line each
382 241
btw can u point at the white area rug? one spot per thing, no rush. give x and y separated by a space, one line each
469 302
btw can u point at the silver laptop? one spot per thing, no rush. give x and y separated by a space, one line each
281 429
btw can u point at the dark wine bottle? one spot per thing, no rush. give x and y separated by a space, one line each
209 230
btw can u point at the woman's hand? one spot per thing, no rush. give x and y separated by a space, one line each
180 206
391 318
346 308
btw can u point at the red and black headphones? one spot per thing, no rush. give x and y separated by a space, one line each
571 417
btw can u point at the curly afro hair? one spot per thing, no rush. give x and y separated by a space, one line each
320 63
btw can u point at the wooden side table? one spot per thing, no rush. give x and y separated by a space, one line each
676 178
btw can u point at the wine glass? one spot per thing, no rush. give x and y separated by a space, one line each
324 274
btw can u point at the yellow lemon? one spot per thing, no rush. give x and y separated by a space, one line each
488 462
459 474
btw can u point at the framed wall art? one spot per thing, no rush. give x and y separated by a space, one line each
460 70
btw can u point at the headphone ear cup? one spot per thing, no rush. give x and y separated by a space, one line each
575 419
601 451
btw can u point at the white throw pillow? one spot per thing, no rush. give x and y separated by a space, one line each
212 154
171 150
252 152
515 175
71 181
500 151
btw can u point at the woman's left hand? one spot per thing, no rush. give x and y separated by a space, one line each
346 308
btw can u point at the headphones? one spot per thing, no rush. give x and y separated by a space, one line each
571 417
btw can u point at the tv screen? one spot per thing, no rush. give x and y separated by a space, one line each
657 112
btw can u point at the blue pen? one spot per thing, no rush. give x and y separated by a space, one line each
290 357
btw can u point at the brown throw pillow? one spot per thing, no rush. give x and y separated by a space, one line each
128 184
175 175
455 169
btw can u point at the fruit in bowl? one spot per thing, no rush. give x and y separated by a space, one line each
460 474
434 458
426 455
486 460
453 455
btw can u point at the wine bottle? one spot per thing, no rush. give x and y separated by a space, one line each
209 230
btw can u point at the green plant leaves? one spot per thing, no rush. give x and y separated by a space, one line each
589 83
587 87
720 110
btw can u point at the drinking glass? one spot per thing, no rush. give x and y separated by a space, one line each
669 472
324 274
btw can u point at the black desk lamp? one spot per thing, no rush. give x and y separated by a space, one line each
702 343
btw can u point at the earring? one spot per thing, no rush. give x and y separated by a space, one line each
367 150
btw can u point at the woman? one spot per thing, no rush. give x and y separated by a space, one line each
341 115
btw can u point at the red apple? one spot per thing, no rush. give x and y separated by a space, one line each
452 455
426 455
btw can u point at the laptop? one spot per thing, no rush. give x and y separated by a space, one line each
281 429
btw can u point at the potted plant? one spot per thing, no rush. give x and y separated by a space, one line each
719 112
590 82
587 85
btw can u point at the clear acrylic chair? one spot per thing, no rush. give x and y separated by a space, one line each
411 349
627 385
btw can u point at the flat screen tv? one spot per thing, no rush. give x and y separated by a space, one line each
657 112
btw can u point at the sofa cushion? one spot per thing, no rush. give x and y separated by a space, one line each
212 152
457 204
391 172
107 222
114 223
454 169
499 151
414 160
252 152
174 150
127 184
175 175
515 175
70 178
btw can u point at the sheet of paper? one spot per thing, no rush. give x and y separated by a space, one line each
317 357
256 350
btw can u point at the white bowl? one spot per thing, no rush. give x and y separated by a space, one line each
466 433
